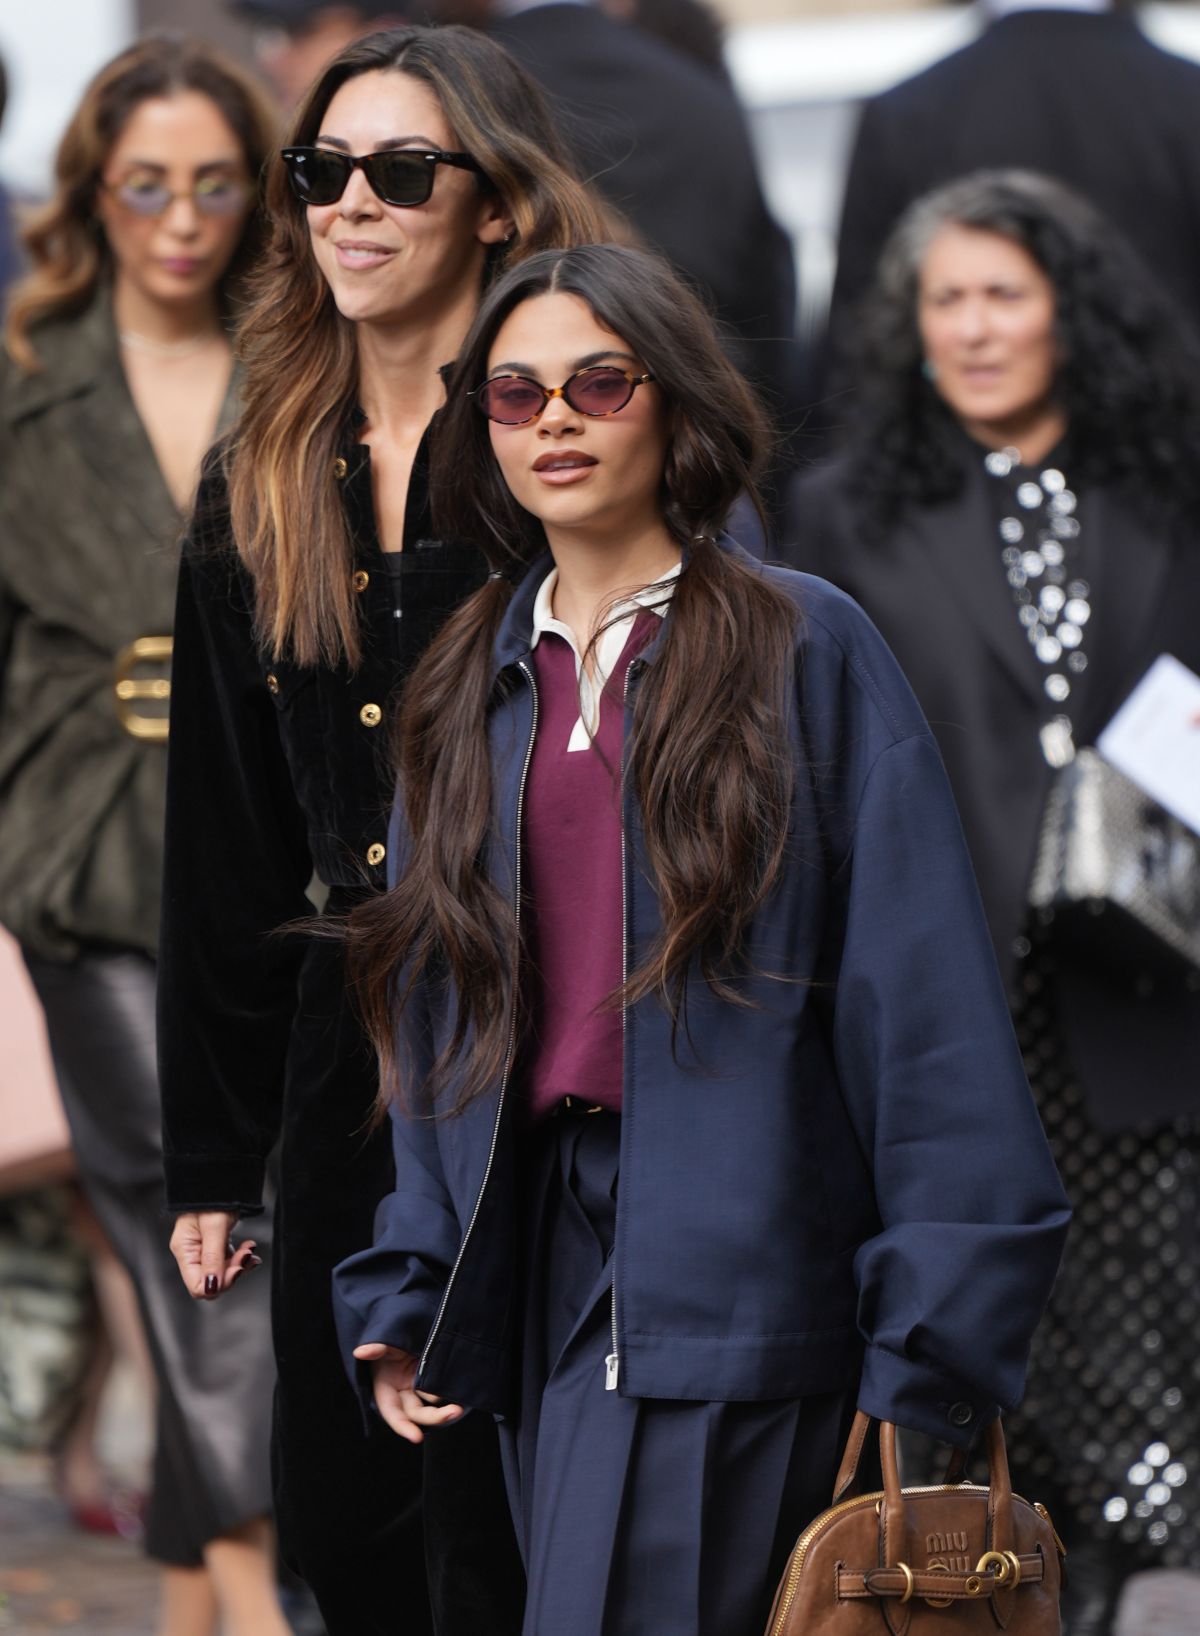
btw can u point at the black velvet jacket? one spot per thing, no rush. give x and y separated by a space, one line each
277 773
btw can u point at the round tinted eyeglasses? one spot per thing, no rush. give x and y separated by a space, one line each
398 176
150 196
515 400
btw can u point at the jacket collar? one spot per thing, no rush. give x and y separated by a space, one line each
82 376
514 640
76 354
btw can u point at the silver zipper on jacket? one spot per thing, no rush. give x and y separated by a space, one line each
612 1363
512 1040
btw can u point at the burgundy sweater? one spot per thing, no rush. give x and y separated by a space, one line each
572 862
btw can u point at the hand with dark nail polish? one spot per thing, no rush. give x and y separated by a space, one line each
205 1251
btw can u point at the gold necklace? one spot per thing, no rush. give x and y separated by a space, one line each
189 345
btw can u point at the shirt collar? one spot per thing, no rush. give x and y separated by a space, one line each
656 596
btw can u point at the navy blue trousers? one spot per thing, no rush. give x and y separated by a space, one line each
639 1517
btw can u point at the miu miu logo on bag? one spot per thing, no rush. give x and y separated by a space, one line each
948 1553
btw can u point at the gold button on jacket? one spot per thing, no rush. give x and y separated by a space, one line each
272 683
376 854
370 715
360 579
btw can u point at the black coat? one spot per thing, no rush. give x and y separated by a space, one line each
1085 97
666 141
935 588
278 773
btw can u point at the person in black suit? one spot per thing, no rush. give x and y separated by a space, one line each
1080 95
1018 513
666 141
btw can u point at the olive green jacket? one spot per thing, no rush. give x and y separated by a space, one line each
88 560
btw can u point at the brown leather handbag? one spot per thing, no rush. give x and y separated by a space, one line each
957 1559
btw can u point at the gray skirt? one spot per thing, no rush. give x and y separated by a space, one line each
639 1517
212 1359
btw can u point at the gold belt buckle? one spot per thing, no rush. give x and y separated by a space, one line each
128 686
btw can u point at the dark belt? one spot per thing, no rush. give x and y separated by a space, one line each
577 1107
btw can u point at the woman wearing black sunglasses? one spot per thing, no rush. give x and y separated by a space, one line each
421 162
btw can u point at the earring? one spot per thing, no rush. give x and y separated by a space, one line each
509 236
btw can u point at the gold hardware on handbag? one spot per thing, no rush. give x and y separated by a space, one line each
129 686
952 1559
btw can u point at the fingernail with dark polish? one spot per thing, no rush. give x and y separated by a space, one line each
212 1284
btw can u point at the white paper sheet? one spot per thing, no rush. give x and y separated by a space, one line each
1154 738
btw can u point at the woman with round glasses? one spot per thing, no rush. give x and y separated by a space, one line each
421 161
709 1120
119 373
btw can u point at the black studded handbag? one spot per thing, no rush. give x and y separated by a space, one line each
1116 875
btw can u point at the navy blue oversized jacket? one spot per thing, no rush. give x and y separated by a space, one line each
849 1173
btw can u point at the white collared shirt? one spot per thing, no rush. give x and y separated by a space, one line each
607 650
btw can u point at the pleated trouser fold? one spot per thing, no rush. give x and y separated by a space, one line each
639 1517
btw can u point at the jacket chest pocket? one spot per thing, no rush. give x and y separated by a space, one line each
303 730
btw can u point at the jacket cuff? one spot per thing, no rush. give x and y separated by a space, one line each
405 1329
914 1395
200 1181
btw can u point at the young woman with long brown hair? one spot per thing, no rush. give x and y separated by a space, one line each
421 162
709 1120
119 372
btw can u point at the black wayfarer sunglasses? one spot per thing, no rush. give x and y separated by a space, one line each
398 176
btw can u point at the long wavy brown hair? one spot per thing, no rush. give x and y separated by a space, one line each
708 758
301 373
64 240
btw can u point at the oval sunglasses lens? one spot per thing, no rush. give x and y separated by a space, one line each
600 392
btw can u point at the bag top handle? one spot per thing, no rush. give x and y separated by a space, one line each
1000 1498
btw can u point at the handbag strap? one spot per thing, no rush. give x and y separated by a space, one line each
847 1482
903 1583
1000 1496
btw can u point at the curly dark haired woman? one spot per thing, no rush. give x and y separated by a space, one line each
1017 510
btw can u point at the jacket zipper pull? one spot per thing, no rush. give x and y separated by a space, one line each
612 1364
